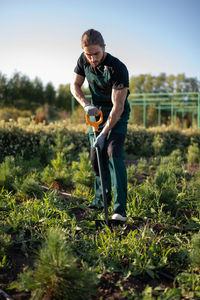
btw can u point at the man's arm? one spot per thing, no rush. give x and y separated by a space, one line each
76 91
118 99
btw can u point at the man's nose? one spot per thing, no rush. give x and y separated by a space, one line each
92 58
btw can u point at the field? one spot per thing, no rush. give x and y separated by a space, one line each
50 247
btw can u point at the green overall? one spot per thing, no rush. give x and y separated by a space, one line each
112 154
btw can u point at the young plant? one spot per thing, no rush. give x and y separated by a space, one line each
158 144
4 244
142 166
195 252
131 173
82 171
8 172
56 274
29 187
193 155
57 172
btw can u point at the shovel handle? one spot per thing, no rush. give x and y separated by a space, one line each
95 124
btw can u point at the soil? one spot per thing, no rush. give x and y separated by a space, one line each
17 262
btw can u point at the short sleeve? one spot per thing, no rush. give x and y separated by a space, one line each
79 69
120 78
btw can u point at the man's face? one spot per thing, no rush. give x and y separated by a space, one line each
94 54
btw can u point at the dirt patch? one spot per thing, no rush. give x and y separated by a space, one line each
113 286
17 262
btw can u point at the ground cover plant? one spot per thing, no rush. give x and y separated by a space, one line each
49 245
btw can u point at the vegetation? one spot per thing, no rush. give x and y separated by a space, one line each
21 97
48 236
56 274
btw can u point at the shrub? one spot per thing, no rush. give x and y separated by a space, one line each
142 166
8 172
56 274
57 172
82 170
193 155
158 144
131 173
28 187
195 251
4 244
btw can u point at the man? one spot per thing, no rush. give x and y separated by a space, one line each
108 81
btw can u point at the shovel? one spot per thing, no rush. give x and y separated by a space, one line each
99 223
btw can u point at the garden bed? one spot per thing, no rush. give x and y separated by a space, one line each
44 201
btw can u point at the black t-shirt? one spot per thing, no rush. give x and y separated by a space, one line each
118 71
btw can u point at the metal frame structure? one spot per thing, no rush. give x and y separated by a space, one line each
172 102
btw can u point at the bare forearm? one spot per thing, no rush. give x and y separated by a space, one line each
78 95
118 99
112 120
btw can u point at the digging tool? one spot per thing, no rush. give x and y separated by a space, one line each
95 126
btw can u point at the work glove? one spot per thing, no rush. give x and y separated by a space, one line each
91 110
100 140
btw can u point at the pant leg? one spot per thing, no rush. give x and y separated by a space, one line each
117 170
98 200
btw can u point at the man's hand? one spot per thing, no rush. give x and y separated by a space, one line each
100 140
91 110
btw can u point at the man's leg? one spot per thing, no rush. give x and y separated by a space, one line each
98 200
117 171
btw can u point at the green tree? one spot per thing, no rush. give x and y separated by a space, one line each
38 91
13 89
170 83
50 94
3 89
63 99
159 83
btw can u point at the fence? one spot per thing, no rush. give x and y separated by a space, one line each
169 102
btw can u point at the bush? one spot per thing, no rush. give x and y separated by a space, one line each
56 274
57 172
29 187
131 174
82 170
195 251
8 172
4 244
158 144
193 155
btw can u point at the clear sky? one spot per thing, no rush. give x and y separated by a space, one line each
42 37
